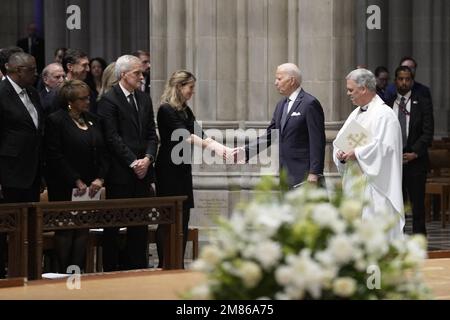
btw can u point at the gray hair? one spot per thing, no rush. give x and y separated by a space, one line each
363 78
47 69
292 70
125 63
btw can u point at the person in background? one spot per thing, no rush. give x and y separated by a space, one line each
76 163
145 59
59 55
76 66
415 114
418 88
94 78
34 45
109 79
52 76
382 77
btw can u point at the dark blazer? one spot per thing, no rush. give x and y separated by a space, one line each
20 141
47 100
302 140
421 129
72 154
175 179
127 138
418 88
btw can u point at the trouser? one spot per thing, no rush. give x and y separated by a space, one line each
136 248
161 232
414 190
70 248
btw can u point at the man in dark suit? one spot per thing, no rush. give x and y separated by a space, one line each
21 129
415 113
145 59
299 119
131 137
418 88
34 45
52 76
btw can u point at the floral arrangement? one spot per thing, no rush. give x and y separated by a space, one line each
304 244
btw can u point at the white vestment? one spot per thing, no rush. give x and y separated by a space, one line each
380 162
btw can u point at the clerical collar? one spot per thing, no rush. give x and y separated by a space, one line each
364 108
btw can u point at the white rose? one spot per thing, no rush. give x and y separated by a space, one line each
341 247
325 215
344 287
267 253
351 209
250 273
284 275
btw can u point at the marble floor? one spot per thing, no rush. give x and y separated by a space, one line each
438 237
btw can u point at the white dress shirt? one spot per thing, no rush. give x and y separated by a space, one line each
23 95
408 107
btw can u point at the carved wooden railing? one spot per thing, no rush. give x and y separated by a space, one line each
26 223
13 221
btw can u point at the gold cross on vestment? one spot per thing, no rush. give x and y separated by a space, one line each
356 140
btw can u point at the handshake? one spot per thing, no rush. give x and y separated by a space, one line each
229 155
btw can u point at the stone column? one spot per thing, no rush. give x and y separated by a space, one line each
15 15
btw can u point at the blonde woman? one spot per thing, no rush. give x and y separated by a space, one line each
109 79
174 173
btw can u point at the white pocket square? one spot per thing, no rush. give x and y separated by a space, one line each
295 114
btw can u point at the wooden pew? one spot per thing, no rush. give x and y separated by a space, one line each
13 221
65 215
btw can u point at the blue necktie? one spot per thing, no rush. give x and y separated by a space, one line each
285 113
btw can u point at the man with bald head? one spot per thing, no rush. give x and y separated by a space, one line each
52 76
299 119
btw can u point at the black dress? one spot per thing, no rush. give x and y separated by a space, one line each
173 178
71 154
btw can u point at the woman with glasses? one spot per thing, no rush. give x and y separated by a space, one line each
76 163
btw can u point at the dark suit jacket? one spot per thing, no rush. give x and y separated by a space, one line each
20 141
302 140
47 100
127 139
72 154
421 130
418 88
175 179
